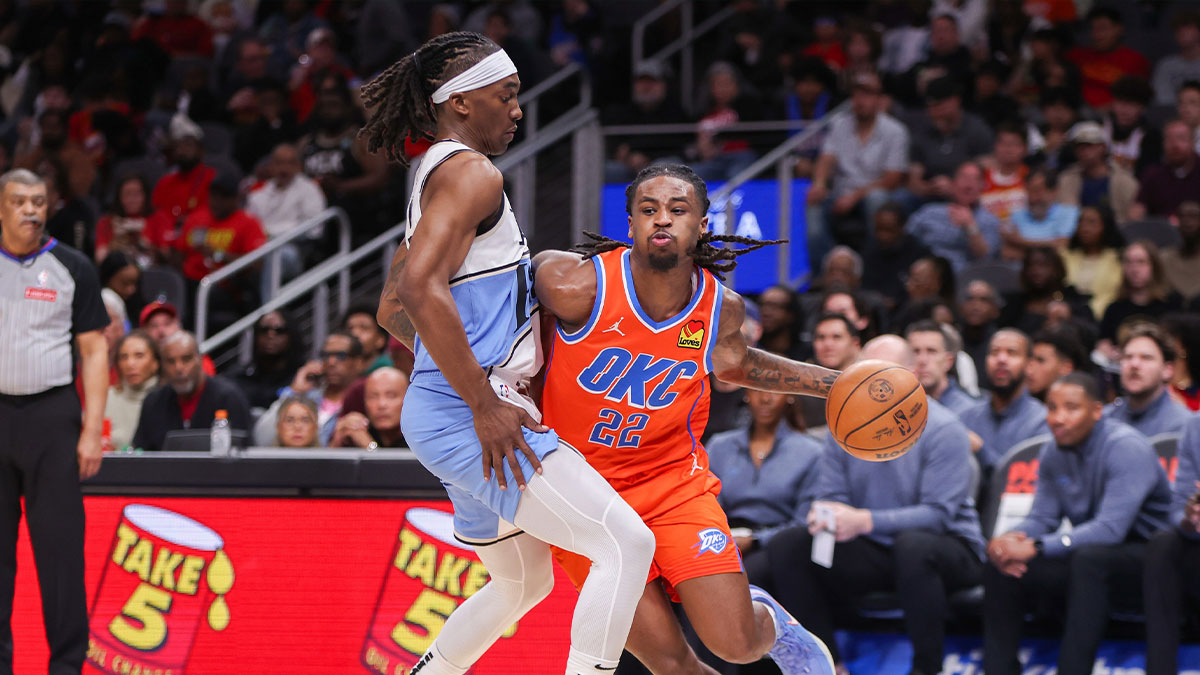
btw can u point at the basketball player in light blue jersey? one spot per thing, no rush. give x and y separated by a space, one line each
460 293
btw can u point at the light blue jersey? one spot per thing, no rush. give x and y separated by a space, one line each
493 291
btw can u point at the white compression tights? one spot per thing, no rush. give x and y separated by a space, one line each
572 507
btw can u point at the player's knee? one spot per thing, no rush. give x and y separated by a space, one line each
632 535
640 543
735 644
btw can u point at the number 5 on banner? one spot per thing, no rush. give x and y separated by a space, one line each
428 613
146 605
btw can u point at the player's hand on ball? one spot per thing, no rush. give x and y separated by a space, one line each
498 426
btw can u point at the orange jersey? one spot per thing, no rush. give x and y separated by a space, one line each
631 393
1004 195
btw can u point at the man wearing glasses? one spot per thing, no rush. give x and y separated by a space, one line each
325 380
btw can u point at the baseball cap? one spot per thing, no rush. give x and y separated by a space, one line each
225 184
154 308
119 19
182 127
1086 132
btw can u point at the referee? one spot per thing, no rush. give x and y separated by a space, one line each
49 293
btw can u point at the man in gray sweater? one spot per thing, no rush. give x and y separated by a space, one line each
908 525
1173 560
1009 415
1147 364
1105 480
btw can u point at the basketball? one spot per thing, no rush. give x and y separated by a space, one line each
876 410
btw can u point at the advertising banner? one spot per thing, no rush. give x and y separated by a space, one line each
188 586
237 585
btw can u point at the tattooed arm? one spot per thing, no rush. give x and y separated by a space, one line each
391 313
736 362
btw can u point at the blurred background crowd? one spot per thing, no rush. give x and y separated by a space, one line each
1012 186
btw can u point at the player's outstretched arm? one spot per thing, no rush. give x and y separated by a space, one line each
391 314
565 286
462 193
736 362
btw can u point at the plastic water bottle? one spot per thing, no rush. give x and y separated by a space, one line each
220 438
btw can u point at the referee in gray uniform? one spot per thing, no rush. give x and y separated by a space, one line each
49 294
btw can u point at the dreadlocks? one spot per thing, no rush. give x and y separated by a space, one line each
401 94
716 259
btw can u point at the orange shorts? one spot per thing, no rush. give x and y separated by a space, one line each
692 540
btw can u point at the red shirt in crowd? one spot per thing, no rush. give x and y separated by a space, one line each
1099 70
1189 397
180 193
1054 11
1004 195
829 52
209 245
177 35
79 125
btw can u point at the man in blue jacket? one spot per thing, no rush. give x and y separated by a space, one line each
1105 480
1010 415
1173 560
908 525
1147 364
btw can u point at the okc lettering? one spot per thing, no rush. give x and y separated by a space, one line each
620 377
713 540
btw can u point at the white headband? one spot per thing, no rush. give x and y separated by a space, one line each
492 69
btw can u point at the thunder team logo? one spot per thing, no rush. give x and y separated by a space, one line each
692 334
711 539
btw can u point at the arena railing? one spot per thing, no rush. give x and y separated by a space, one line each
309 295
684 44
315 281
270 253
780 158
782 161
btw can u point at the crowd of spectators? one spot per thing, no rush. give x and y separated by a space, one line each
1008 204
177 135
978 212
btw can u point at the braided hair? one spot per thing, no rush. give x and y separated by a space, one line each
716 259
401 94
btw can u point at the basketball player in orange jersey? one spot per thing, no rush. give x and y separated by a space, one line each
626 383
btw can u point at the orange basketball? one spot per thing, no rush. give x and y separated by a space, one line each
876 410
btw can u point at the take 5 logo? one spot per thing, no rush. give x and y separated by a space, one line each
620 377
